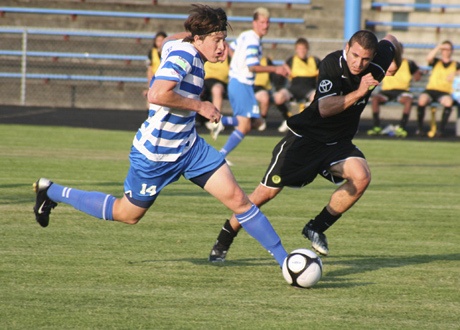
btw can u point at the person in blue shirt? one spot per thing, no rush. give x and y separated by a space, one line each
167 146
246 53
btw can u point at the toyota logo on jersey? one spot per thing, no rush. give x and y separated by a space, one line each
325 86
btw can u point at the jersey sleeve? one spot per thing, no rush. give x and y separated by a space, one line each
176 66
252 55
383 58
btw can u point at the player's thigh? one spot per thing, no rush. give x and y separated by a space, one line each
424 99
352 169
263 194
223 186
446 101
262 96
281 96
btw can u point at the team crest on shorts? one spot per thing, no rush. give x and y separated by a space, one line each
276 179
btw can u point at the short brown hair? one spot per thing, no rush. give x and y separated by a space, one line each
302 41
365 39
204 20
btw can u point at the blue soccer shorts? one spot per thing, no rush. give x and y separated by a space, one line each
242 99
146 178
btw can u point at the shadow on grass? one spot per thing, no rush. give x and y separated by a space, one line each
362 264
252 262
349 265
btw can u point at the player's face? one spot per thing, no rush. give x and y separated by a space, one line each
446 51
261 25
212 47
301 51
358 58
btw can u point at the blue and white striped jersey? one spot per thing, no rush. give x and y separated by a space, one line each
247 52
169 133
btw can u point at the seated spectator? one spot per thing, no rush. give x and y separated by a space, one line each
302 81
439 87
264 84
215 85
396 88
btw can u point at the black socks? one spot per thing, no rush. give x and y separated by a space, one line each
323 221
226 235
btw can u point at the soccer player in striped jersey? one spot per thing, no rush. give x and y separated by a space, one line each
167 146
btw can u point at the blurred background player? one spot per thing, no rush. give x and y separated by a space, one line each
396 88
302 81
245 63
439 87
264 85
154 58
215 85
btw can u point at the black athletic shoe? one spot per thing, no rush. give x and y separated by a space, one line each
43 204
318 240
218 253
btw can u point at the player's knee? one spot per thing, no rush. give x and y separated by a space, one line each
361 180
447 102
131 221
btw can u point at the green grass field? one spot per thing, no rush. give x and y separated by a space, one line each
394 257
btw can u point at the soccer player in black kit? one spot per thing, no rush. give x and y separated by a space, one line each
319 140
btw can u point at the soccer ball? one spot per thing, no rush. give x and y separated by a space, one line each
302 268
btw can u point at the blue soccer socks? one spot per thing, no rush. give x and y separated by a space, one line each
97 204
257 225
233 141
229 121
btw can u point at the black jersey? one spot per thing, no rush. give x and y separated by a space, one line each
335 79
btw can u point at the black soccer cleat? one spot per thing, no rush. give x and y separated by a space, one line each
43 204
318 240
218 253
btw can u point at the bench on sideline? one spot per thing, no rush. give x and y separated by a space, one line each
74 13
55 55
50 76
371 25
411 5
66 33
288 3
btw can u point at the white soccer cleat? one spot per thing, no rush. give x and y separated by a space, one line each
283 127
216 129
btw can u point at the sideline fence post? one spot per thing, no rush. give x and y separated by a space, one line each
24 67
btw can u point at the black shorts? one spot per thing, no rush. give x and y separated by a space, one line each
258 88
208 83
394 94
296 161
435 95
300 93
